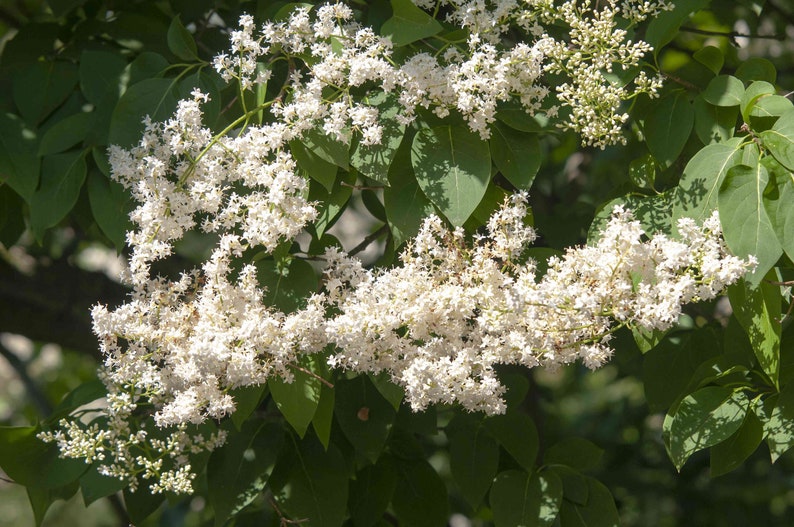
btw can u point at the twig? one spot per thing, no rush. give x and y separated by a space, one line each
283 520
309 372
686 84
369 239
38 397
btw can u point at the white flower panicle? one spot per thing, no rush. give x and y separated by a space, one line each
441 322
180 174
471 76
438 324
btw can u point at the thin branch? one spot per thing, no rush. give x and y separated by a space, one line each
283 520
369 239
686 84
35 393
731 34
309 372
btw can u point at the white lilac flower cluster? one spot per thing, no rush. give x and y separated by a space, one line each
471 76
438 323
441 321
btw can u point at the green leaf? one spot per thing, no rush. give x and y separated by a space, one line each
41 87
62 177
574 484
405 203
101 75
780 139
327 148
41 499
758 309
703 419
646 339
713 124
529 500
599 511
745 224
777 417
145 66
317 488
422 498
752 94
288 286
64 134
453 166
757 69
664 26
371 492
32 463
769 107
237 473
491 201
85 393
409 24
111 206
668 367
574 452
389 390
517 434
642 171
246 401
19 162
364 416
516 154
297 401
711 57
314 166
156 98
668 126
94 486
323 419
374 161
473 457
141 504
516 117
724 90
718 368
331 204
181 42
777 202
732 452
696 196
